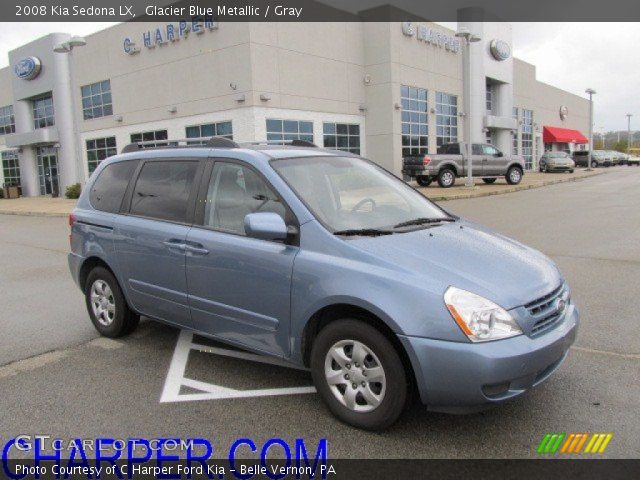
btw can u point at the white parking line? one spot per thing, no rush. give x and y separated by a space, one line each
207 391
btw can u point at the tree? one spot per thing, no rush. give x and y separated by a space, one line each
621 146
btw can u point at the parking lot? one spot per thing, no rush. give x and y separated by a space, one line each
57 377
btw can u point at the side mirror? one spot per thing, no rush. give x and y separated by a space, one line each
265 226
499 154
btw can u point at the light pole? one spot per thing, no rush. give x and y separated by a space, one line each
67 47
629 115
591 92
467 39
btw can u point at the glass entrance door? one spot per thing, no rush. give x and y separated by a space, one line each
48 171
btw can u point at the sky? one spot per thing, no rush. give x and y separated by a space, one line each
571 56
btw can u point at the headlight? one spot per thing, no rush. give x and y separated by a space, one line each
480 319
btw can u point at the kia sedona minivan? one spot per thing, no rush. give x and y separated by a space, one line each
327 261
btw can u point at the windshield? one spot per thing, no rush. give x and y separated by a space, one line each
347 194
557 155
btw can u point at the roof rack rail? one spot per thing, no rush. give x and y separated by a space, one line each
206 142
293 143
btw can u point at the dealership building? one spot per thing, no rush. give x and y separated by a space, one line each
382 90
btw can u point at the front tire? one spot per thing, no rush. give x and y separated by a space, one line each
106 304
489 180
359 374
514 175
446 178
594 164
424 181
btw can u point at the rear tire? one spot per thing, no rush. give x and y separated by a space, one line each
571 171
514 175
424 181
489 180
446 178
106 305
363 355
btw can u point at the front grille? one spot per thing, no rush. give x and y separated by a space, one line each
544 311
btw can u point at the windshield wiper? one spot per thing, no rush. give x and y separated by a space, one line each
369 232
423 221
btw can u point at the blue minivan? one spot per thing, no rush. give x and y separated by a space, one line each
327 261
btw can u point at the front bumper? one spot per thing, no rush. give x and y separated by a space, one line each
560 168
461 377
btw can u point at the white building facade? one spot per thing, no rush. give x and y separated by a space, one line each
383 90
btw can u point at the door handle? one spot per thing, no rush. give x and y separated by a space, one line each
197 249
175 244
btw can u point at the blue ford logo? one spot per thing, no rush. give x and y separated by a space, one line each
500 49
28 68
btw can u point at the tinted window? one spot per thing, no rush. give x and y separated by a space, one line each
477 149
450 149
109 188
162 190
234 192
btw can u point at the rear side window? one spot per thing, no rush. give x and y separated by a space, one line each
109 188
162 190
449 149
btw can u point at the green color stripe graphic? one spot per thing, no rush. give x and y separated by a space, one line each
543 443
550 443
558 442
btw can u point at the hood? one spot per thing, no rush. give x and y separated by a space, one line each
472 258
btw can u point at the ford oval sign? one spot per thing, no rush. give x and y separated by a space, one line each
500 50
28 68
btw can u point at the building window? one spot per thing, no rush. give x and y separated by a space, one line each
10 167
342 136
515 133
96 100
415 129
7 120
220 129
284 130
527 138
446 118
154 138
489 98
43 115
98 149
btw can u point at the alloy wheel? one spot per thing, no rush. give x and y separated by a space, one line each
102 302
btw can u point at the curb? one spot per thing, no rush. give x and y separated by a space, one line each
35 214
517 188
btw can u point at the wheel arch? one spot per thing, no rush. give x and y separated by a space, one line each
89 264
515 164
336 311
450 166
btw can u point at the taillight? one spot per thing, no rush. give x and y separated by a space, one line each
426 160
72 219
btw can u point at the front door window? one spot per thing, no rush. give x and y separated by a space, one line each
48 171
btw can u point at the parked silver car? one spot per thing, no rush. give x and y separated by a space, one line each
556 162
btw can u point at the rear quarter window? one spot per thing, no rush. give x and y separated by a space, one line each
163 190
108 190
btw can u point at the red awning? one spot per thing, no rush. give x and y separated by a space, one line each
562 135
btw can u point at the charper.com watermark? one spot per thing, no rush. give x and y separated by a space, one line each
26 457
574 443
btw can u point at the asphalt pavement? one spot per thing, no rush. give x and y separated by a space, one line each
58 377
